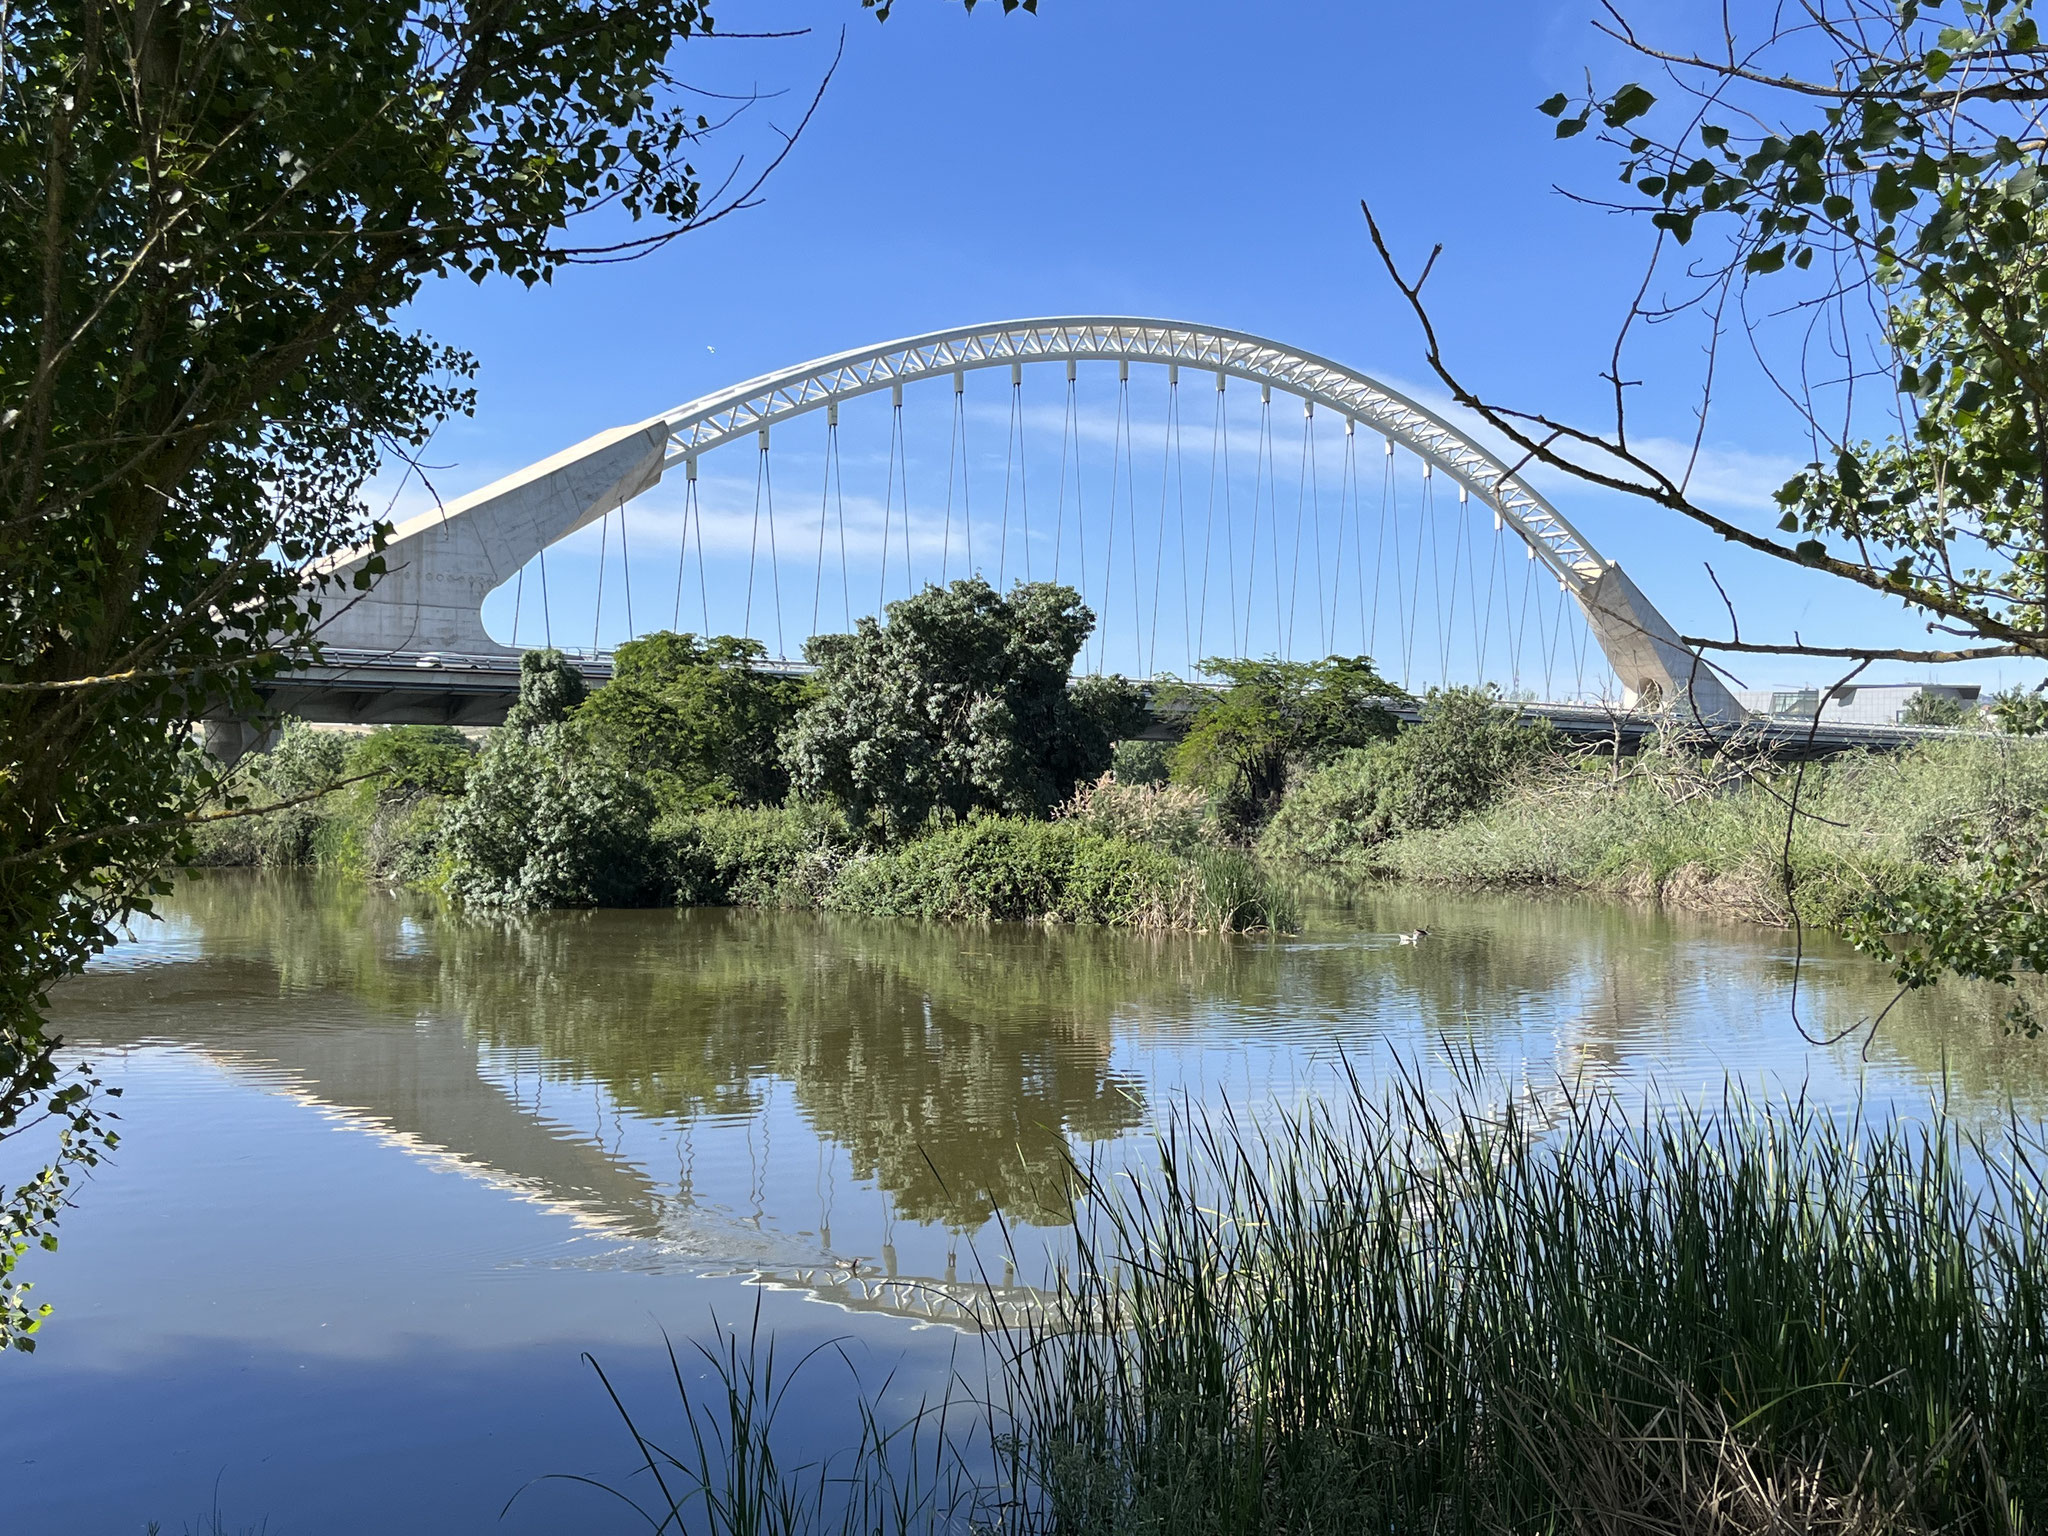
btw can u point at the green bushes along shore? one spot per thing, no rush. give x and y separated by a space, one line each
941 765
936 766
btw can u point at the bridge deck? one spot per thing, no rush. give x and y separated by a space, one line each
365 688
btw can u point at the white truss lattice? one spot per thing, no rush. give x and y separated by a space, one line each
703 424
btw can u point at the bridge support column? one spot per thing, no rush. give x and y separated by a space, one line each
1655 668
229 741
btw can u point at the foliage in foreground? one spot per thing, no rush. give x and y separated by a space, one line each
1401 1312
214 217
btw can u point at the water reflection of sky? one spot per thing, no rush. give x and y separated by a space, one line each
387 1172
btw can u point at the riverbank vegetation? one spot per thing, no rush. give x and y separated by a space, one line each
941 765
1481 1312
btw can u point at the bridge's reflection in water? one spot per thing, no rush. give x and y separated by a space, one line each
844 1107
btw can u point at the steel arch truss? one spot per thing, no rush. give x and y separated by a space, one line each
442 563
706 423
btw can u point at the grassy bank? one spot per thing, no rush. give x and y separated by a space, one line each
1693 832
1401 1313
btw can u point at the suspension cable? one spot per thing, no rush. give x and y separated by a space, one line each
1472 583
518 599
1457 555
824 506
966 469
774 560
604 534
1492 572
1522 632
1379 552
1219 438
1300 511
1012 440
839 511
626 573
1251 579
1169 458
547 609
888 509
696 507
1337 554
675 622
1069 428
953 431
1131 511
1116 447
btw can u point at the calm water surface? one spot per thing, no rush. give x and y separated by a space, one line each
388 1173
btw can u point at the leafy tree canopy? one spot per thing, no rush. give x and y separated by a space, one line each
214 216
697 719
959 703
406 761
1272 716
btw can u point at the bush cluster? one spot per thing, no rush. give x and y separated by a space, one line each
1466 750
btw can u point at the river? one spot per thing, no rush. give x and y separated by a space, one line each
388 1172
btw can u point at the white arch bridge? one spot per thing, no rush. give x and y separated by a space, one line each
1254 531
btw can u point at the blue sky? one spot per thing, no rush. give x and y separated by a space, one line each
1192 160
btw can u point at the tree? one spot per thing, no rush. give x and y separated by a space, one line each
1858 191
1869 176
1272 718
545 821
1930 708
697 719
959 703
213 217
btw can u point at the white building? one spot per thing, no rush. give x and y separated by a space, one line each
1857 704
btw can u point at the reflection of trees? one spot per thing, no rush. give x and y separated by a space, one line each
959 1064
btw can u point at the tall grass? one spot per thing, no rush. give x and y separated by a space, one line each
1397 1314
1661 829
1408 1313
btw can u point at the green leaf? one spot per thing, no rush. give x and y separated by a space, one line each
1628 104
1554 106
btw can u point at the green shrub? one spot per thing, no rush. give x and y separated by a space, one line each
765 857
1272 719
1142 762
546 823
1010 869
1464 752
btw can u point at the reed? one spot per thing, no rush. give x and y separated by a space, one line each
1405 1310
1399 1313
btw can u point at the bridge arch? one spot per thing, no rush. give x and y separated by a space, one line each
443 563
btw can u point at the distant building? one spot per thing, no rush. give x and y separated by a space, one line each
1865 704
